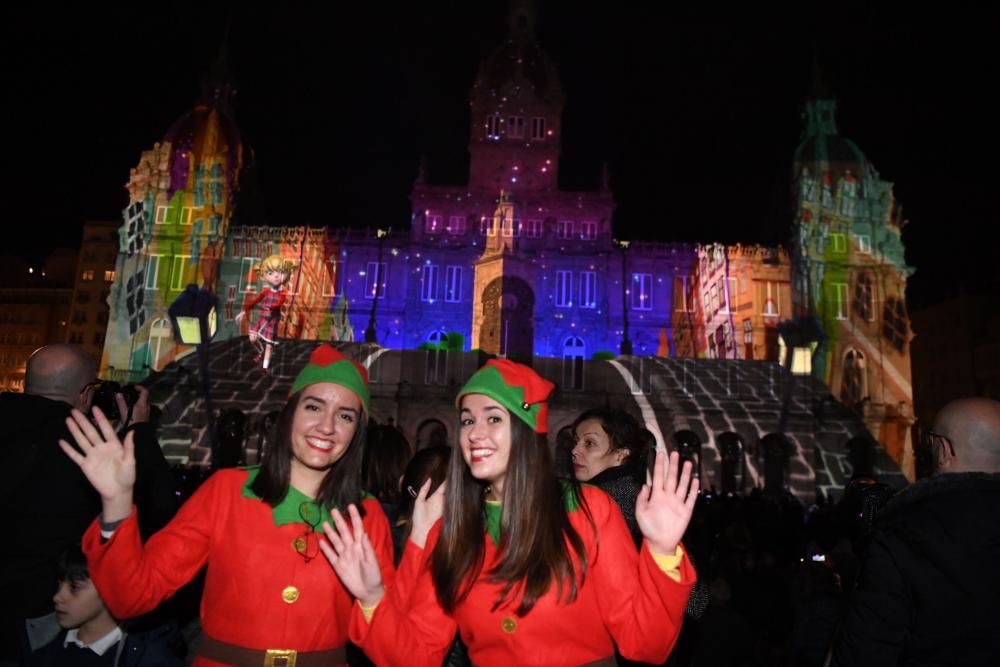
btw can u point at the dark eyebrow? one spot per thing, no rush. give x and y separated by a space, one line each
492 407
323 402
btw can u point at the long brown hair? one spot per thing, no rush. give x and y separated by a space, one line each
536 534
340 487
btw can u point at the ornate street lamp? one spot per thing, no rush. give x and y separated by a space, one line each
194 318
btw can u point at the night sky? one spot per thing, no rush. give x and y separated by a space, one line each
698 113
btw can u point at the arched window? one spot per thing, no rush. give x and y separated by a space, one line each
853 380
159 341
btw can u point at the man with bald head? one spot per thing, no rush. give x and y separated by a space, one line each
930 581
47 503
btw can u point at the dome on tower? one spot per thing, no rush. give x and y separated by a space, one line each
206 134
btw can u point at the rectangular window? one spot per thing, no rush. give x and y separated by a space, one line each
493 127
588 230
230 302
731 294
714 298
428 283
512 227
588 289
680 293
375 280
186 215
864 244
99 338
456 225
248 278
178 272
434 224
839 242
538 128
152 272
161 215
87 275
564 229
743 282
840 300
771 302
515 127
564 289
486 226
535 229
642 291
330 278
453 284
109 276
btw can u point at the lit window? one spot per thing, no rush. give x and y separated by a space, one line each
456 225
428 283
88 275
453 284
588 289
564 229
588 230
564 289
642 291
109 276
538 129
375 279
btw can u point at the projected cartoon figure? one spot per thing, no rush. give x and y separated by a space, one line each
275 271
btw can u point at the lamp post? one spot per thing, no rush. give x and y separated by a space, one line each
193 315
370 336
626 346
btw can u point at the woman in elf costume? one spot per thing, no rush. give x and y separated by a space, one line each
264 334
268 599
529 570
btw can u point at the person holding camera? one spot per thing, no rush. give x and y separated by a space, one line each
46 501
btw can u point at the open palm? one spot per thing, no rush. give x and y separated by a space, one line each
663 508
351 554
108 464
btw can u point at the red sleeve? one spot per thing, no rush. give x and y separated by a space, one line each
409 626
248 306
641 606
378 531
133 579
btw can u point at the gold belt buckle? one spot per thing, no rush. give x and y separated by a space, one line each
279 657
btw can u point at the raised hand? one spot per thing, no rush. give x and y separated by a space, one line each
351 554
426 512
108 464
663 508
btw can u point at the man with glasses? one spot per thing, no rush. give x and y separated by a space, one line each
930 577
46 501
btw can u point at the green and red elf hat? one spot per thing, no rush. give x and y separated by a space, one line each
328 364
515 386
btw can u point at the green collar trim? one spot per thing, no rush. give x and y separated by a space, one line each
297 507
493 511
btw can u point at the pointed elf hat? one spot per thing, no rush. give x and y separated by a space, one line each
515 386
328 364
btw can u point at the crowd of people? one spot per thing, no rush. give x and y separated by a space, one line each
342 546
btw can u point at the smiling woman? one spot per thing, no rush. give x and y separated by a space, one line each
266 595
528 569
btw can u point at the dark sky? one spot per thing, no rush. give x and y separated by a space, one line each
698 113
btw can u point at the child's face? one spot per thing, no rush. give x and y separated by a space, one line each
274 278
77 602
